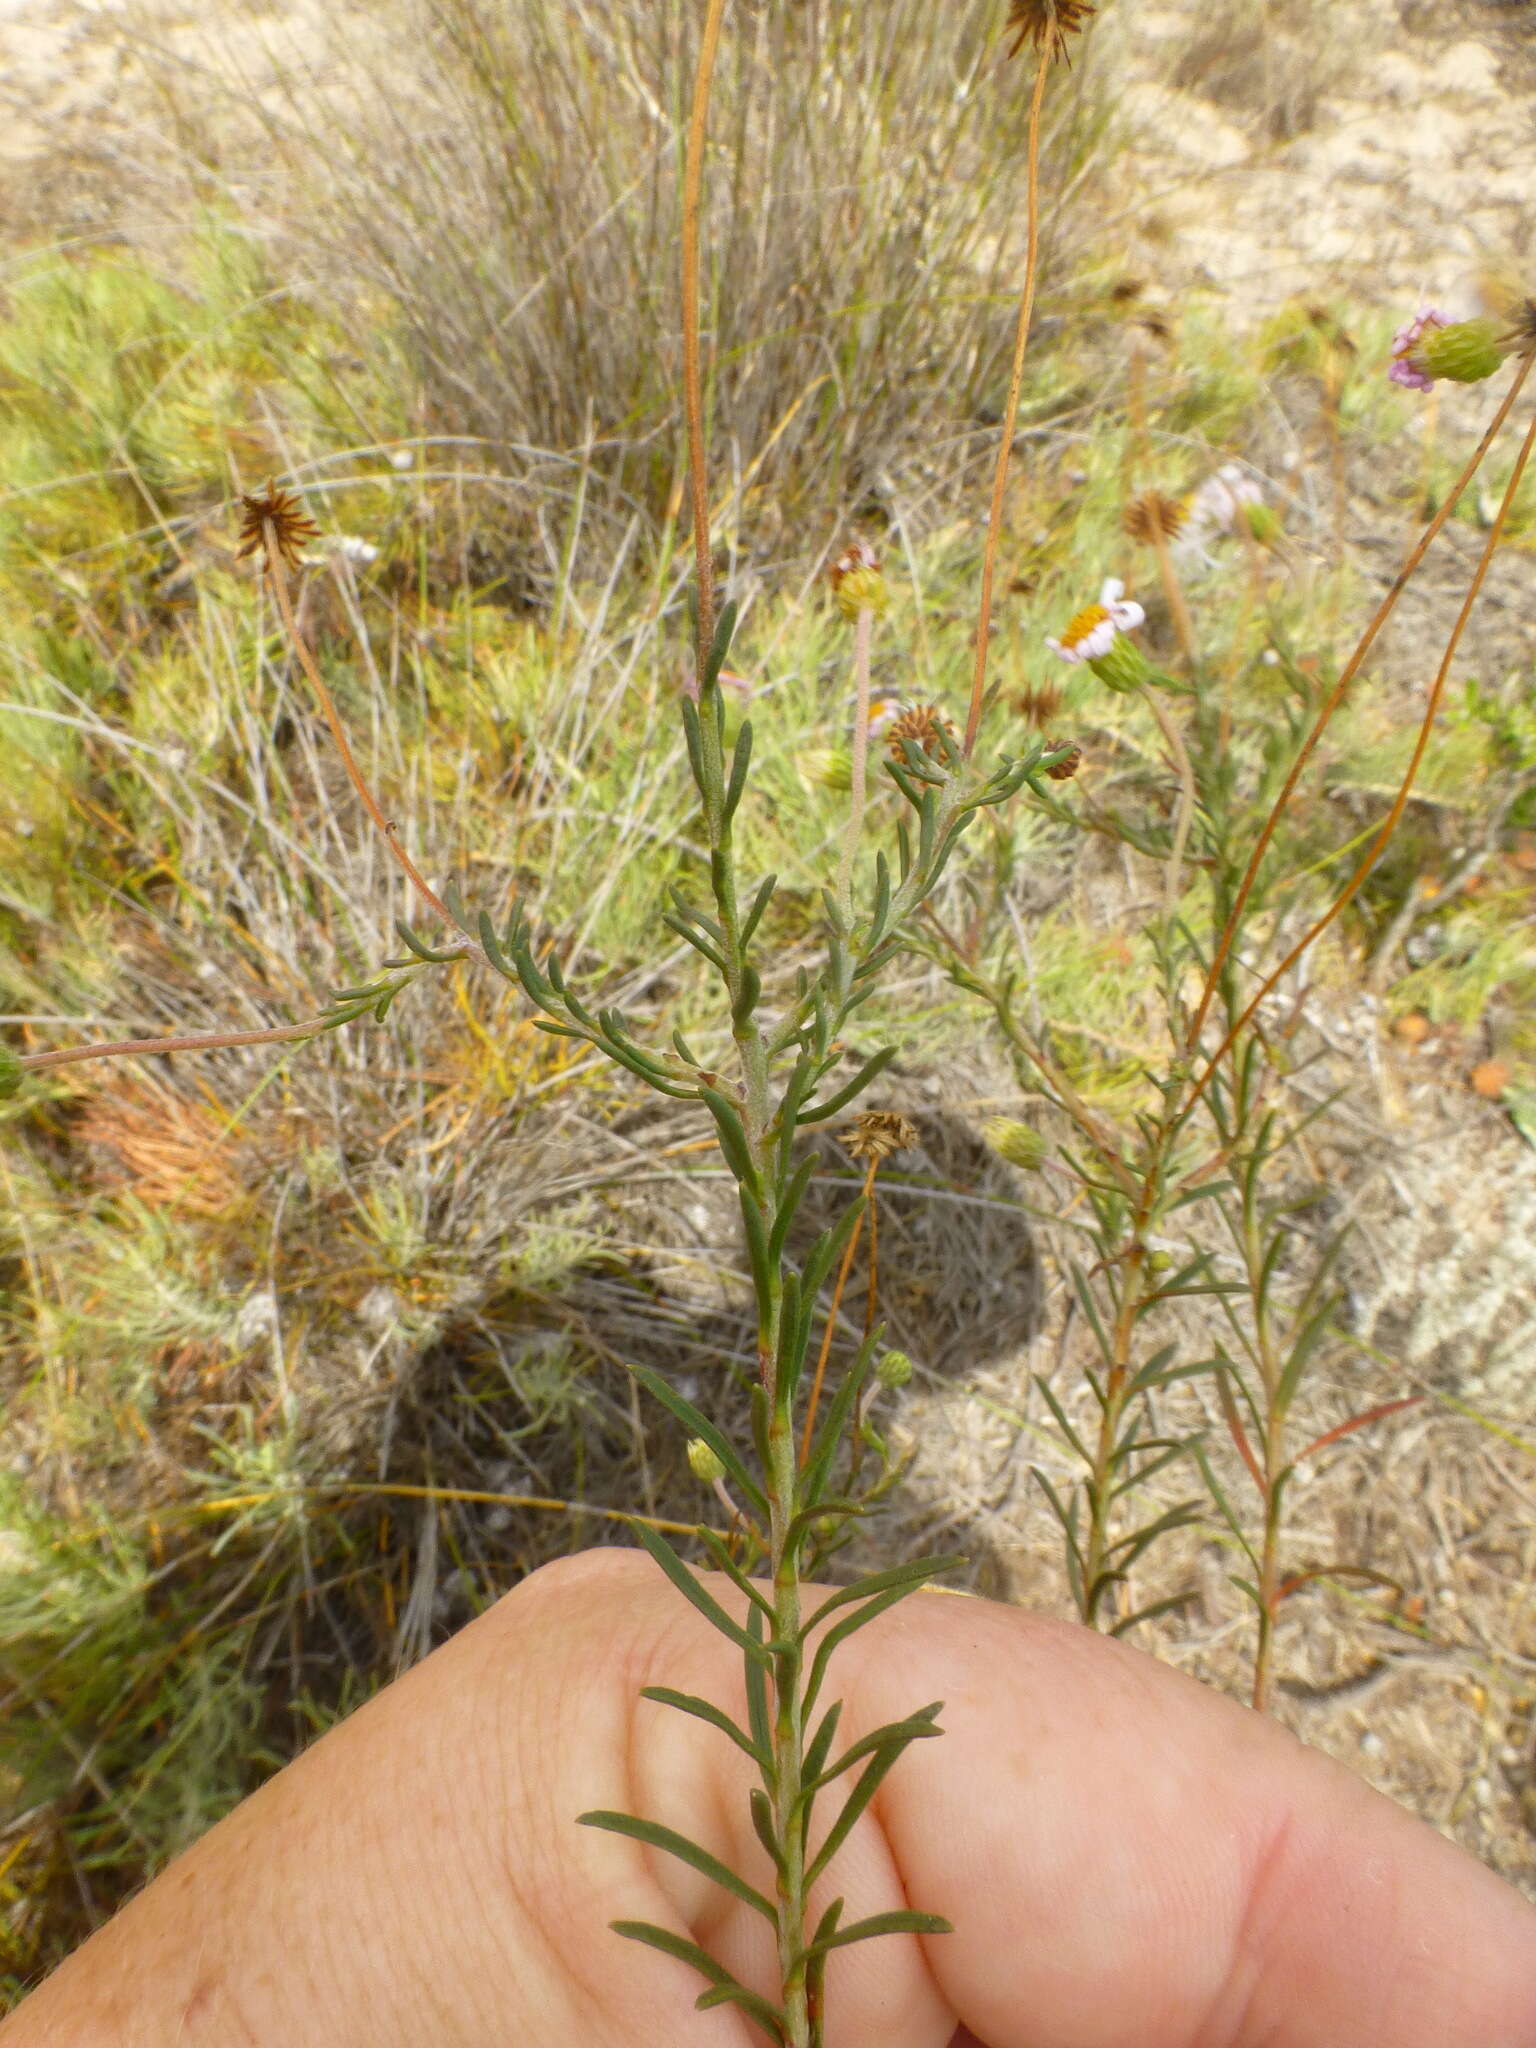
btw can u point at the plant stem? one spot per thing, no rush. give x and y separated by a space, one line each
1011 410
1389 824
277 576
693 399
788 1728
1174 873
197 1041
1335 697
862 633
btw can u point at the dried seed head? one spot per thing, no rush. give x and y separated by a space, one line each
1037 707
1153 517
274 522
1047 23
924 725
877 1133
1126 291
1064 769
1154 323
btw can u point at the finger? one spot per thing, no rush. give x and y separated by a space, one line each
1128 1857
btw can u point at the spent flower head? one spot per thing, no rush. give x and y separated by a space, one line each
924 725
876 1133
1047 23
275 522
1154 516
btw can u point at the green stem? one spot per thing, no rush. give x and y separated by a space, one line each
788 1731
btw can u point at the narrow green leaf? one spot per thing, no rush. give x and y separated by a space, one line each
741 758
689 1586
841 1630
761 1259
757 1684
829 1247
793 1195
865 1787
733 1138
754 915
818 1112
913 1573
755 2007
762 1822
698 1424
670 1843
1150 1613
1062 1423
704 1710
914 1729
724 1562
719 646
686 1951
492 944
819 1748
695 938
900 1922
1068 1523
818 1467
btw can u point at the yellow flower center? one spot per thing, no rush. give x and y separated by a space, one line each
1079 628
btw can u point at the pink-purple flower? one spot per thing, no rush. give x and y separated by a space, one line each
1405 371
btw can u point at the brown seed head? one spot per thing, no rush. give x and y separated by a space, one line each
1047 23
923 725
1063 771
1037 707
877 1133
274 522
1152 517
1154 323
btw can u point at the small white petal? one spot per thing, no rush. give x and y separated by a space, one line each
1113 588
1066 653
1098 642
1127 615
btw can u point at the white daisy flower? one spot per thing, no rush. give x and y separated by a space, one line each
1091 634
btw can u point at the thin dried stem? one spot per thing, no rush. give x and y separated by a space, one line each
1400 802
1011 410
277 576
693 392
844 1269
1347 675
197 1041
1173 877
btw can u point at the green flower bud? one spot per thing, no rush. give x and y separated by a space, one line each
1020 1144
862 590
1261 520
706 1465
1466 351
894 1370
1124 666
12 1072
857 582
826 768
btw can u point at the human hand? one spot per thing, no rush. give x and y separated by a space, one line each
1129 1861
